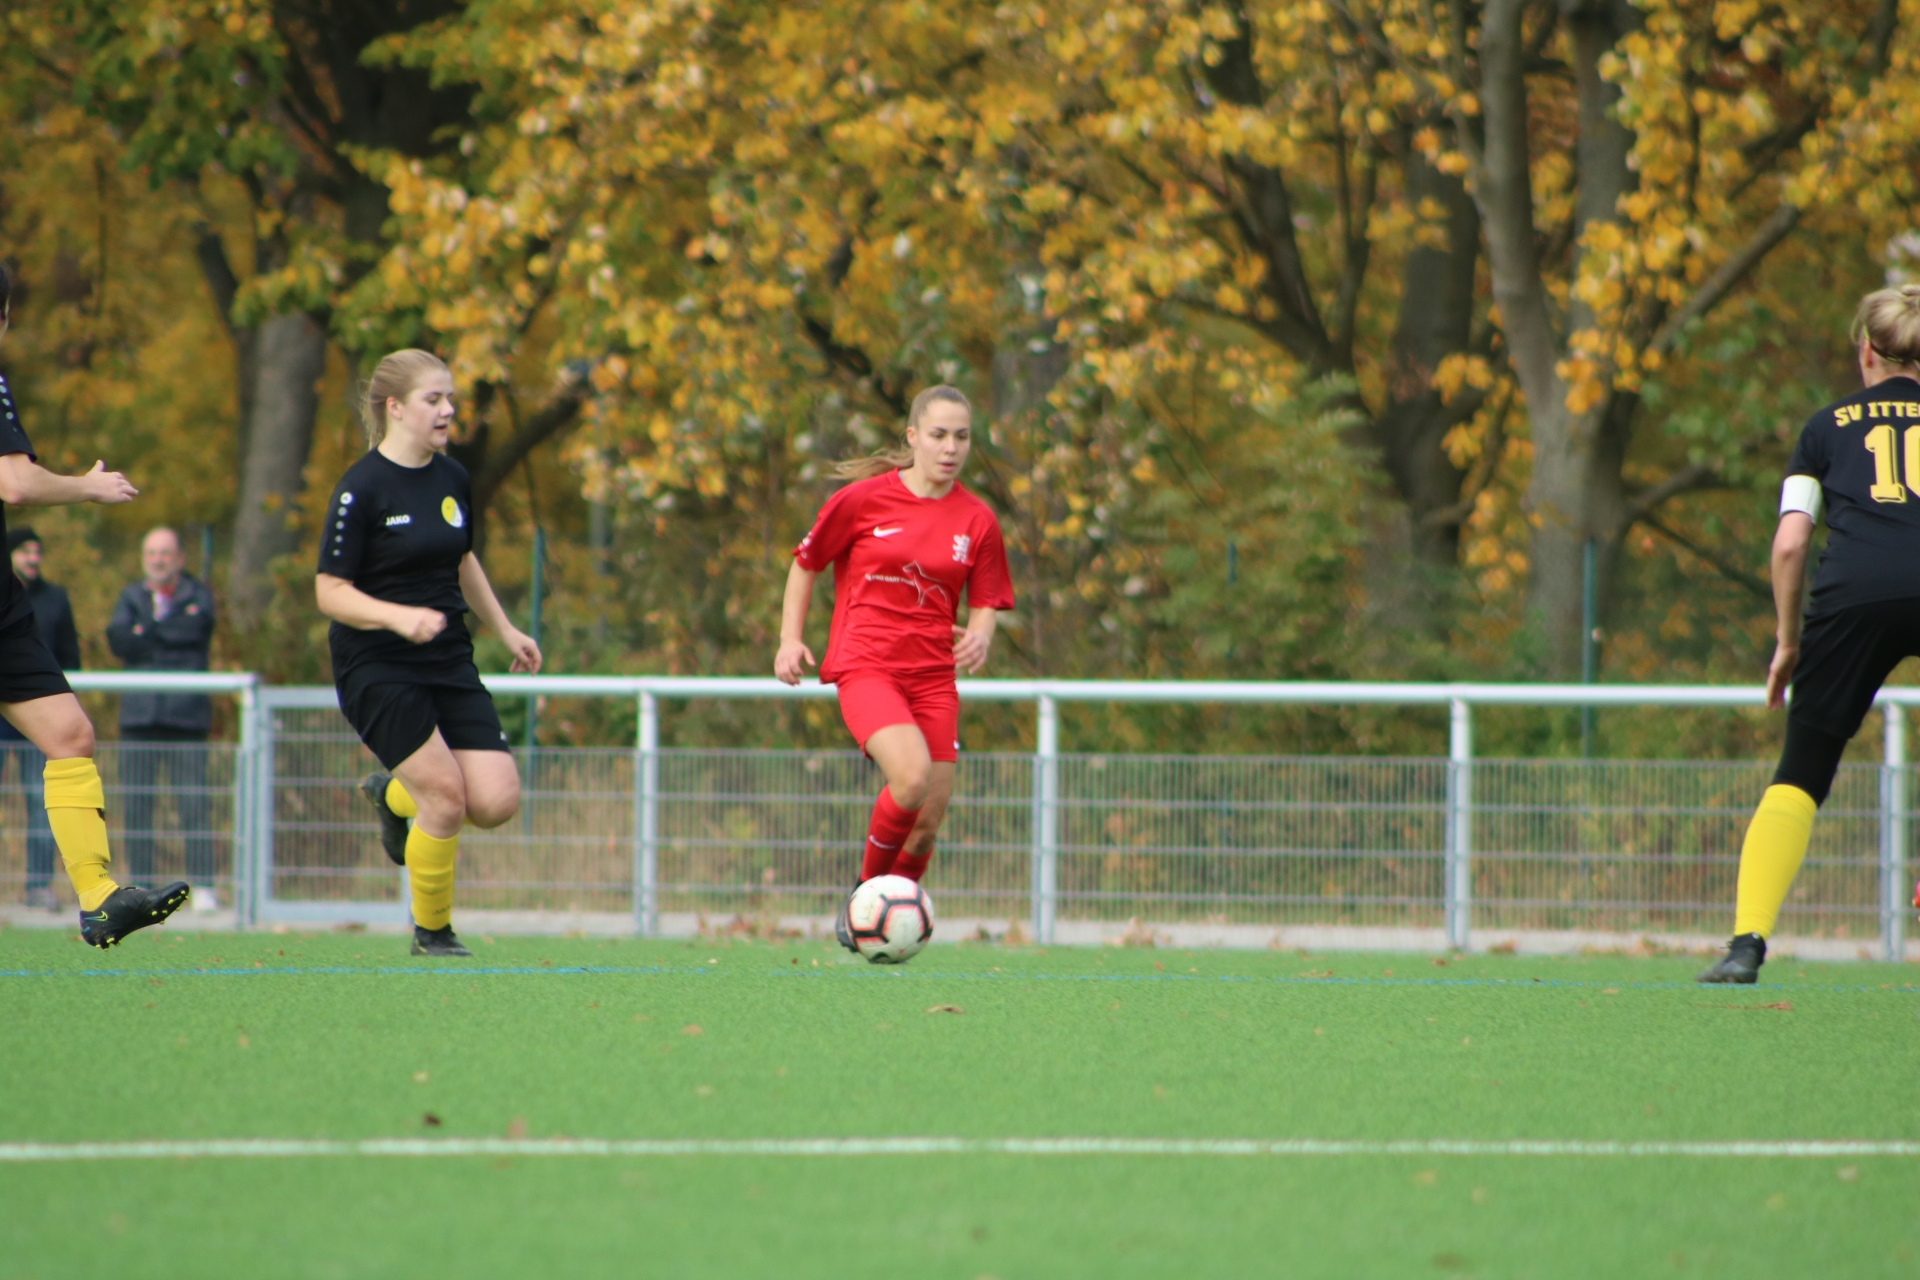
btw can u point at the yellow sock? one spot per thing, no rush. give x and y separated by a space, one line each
1775 846
399 801
76 810
430 867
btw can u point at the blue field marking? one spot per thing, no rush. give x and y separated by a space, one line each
431 971
897 974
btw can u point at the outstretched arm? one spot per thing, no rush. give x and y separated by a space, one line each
486 606
1790 544
25 483
793 649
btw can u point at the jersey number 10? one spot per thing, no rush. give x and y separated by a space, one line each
1886 469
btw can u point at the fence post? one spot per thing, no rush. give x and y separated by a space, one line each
260 888
646 818
1046 818
1893 834
245 802
1458 866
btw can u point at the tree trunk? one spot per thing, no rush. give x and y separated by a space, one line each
1436 319
289 356
1576 489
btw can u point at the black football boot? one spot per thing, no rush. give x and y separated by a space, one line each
437 942
843 925
1741 964
393 827
129 908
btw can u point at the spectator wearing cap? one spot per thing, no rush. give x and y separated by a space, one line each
53 615
164 622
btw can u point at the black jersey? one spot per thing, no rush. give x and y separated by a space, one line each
399 534
1865 452
14 601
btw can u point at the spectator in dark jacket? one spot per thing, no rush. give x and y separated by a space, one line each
53 612
164 622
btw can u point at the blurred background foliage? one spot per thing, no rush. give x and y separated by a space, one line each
1220 278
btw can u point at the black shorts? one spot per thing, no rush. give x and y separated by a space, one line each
28 669
1845 656
396 719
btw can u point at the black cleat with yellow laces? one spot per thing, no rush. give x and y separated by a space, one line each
129 908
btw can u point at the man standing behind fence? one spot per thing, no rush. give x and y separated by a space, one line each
53 618
164 622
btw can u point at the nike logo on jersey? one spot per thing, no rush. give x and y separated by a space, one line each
878 532
394 520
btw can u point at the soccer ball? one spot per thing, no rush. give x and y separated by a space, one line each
891 918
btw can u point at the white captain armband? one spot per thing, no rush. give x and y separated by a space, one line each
1801 493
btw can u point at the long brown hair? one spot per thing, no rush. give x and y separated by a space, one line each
394 378
894 459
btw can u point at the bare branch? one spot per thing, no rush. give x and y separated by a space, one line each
1710 294
1726 568
1688 479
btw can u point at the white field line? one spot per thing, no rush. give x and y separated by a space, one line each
292 1148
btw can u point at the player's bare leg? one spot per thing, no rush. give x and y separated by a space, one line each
76 811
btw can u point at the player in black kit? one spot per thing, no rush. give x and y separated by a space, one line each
398 576
36 699
1859 458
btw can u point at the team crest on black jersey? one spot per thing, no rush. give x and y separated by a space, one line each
451 510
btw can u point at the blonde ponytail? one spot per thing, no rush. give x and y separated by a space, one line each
1889 319
899 457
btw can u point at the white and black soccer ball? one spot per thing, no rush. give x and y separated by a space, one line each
890 918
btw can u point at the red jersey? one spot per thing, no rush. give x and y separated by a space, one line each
900 563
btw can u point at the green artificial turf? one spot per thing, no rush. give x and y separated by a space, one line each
177 1036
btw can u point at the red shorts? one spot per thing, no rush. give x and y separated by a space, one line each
872 700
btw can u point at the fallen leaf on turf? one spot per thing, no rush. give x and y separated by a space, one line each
1784 1006
1426 1177
1479 1195
430 1120
692 1029
1439 962
419 1077
517 1128
243 1040
1162 968
1611 991
1848 1173
1449 1262
945 1008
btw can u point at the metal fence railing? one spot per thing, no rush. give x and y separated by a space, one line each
1452 844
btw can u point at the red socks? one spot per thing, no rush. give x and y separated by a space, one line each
886 835
912 865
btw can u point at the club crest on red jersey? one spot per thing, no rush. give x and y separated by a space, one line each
912 575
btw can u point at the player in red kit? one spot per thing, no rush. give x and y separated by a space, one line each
905 541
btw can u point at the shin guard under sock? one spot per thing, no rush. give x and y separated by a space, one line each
76 811
399 801
1770 857
430 868
886 833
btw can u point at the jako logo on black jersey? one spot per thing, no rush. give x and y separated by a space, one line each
394 520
